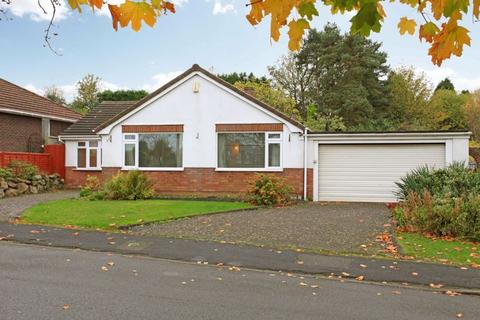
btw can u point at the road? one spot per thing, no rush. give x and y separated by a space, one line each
50 283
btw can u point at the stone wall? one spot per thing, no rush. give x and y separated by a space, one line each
15 186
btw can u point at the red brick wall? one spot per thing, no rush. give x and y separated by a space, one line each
58 126
16 131
199 181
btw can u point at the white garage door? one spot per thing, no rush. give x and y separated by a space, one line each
368 172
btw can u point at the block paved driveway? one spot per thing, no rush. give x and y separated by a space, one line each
319 227
13 207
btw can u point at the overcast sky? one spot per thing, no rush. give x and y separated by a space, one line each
212 33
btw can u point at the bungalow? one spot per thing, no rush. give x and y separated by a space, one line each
29 121
200 135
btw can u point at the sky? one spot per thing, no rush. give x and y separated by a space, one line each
212 33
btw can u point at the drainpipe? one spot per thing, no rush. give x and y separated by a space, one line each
305 164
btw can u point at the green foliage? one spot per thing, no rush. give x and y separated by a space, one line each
445 84
92 189
443 202
122 95
23 170
55 94
6 173
133 185
323 123
235 77
471 111
269 190
264 92
445 111
88 89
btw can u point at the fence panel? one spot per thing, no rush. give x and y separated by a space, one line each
52 161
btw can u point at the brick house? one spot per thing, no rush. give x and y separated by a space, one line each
29 121
200 135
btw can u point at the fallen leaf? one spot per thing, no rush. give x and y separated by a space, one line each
360 278
363 266
396 292
436 286
104 268
111 263
460 315
66 307
346 274
76 234
300 262
303 284
414 273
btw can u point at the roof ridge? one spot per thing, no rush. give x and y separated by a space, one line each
42 97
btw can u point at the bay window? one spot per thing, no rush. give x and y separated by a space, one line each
88 155
152 150
249 150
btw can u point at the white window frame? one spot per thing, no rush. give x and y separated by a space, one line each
87 147
137 152
267 142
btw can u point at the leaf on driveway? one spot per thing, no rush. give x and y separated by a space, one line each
414 274
460 315
104 268
360 278
436 286
300 262
76 234
111 263
66 307
363 266
303 284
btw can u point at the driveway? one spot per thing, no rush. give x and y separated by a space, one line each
318 227
13 207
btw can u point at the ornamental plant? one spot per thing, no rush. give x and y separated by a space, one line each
269 190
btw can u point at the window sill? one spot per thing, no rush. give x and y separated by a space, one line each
250 169
152 169
87 169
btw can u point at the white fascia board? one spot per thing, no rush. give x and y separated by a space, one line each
75 138
108 129
36 115
387 136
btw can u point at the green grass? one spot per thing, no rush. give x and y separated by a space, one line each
114 214
439 250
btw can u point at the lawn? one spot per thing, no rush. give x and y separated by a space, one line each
114 214
439 250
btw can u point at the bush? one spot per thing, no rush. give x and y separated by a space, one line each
444 202
23 170
6 173
92 188
269 190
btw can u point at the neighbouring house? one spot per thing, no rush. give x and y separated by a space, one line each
29 121
200 135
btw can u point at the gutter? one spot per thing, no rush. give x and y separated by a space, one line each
305 163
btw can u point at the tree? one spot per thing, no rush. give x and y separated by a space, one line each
235 77
291 77
445 84
439 21
472 114
271 96
410 94
88 89
348 75
55 94
445 111
122 95
323 122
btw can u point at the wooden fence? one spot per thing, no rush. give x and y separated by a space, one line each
51 161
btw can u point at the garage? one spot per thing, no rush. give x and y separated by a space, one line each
368 172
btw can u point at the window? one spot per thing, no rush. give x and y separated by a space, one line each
153 150
244 150
88 155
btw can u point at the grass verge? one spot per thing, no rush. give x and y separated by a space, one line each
110 215
440 250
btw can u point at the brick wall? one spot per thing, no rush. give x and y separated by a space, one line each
58 126
17 133
197 181
24 134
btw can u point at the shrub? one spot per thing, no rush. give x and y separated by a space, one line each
269 190
6 173
444 202
23 169
133 185
92 188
